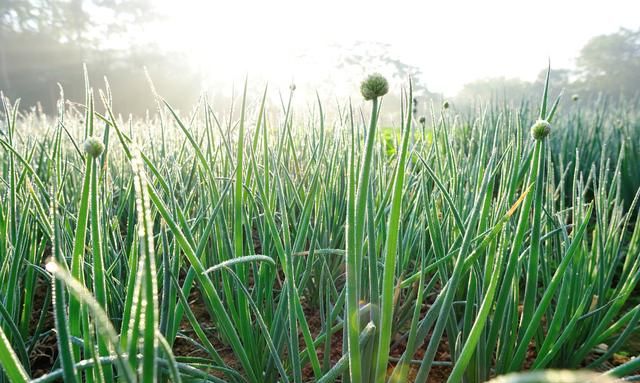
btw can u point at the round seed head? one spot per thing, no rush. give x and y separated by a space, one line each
93 146
292 87
445 105
422 119
540 129
575 97
374 86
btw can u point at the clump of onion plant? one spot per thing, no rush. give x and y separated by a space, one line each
373 87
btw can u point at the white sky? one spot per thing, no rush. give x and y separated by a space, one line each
452 41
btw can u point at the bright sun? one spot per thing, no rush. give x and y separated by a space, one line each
453 42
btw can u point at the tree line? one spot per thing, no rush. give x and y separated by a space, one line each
43 43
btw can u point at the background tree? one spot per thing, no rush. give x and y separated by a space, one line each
45 42
498 89
607 64
611 63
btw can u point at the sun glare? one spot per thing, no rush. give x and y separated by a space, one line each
285 41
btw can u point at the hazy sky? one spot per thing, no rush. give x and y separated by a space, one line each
452 41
